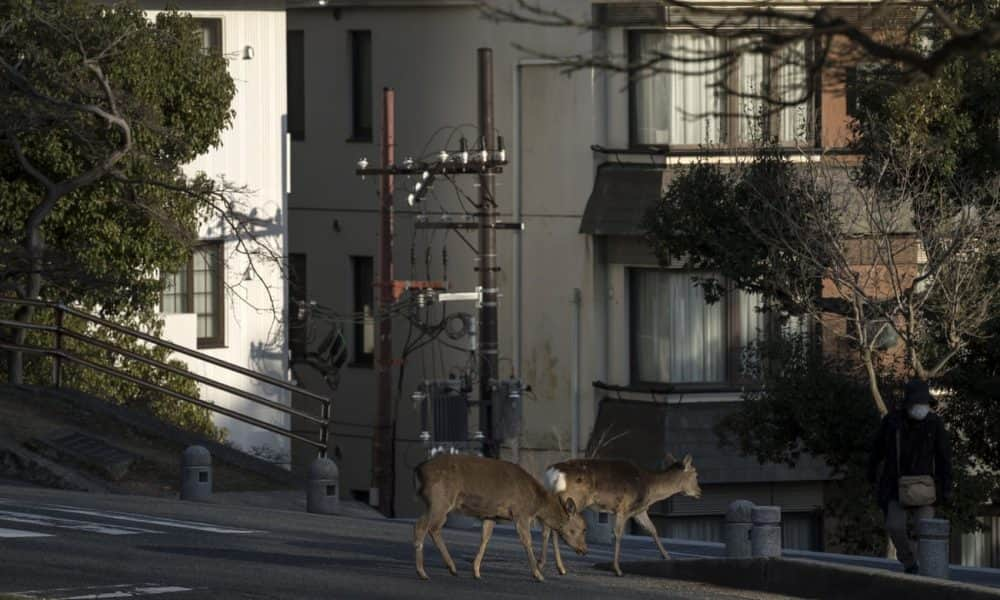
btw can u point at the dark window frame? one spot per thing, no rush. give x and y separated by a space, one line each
730 125
296 84
214 27
362 86
219 339
360 292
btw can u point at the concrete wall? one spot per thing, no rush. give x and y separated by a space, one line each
253 155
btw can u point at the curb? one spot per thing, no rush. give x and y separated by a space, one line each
808 579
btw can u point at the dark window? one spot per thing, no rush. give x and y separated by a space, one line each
298 311
198 288
682 103
296 85
361 86
211 35
364 309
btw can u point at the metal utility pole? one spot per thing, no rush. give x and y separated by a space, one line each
488 349
383 477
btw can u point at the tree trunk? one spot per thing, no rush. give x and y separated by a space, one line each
35 245
868 359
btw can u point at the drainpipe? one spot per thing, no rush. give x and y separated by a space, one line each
575 375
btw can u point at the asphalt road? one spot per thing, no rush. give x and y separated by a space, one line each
66 545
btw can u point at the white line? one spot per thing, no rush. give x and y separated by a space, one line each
139 591
88 526
118 516
109 591
18 533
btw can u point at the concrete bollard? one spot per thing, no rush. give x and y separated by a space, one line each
600 527
323 492
932 547
739 524
196 474
765 537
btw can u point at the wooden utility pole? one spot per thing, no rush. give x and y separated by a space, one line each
488 347
383 477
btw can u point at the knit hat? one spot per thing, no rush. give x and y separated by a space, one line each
916 392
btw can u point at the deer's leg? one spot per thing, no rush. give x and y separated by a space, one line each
433 520
619 531
646 523
546 531
419 533
435 531
555 550
487 532
523 527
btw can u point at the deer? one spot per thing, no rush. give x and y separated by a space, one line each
620 487
489 489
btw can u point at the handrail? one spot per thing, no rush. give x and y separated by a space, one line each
59 353
199 378
194 353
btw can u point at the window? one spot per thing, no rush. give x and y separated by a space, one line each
296 85
198 289
677 337
690 108
361 86
211 35
364 309
298 311
676 108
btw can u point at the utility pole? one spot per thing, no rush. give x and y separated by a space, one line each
383 477
485 161
488 348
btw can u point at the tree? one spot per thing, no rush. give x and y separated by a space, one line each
99 110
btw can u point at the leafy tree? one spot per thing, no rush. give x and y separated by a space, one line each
100 108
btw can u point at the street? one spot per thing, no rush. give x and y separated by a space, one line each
67 545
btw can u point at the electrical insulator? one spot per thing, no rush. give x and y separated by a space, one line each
463 153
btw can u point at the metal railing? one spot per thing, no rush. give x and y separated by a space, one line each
59 354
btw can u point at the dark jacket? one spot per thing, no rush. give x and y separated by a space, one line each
924 450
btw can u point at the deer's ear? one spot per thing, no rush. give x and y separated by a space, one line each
687 462
669 460
570 506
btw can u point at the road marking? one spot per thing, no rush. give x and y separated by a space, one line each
100 592
19 533
120 516
61 523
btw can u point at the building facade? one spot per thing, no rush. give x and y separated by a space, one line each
620 355
219 305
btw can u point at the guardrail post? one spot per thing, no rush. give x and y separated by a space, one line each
196 474
932 547
739 524
57 358
323 493
765 537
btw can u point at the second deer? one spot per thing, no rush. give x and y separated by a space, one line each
620 487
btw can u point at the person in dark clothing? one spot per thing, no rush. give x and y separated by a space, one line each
923 450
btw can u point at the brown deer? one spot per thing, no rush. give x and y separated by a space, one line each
489 489
620 487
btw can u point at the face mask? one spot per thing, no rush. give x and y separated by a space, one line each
919 411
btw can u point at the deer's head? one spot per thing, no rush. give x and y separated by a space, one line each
689 479
574 529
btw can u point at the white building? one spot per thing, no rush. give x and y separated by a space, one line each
216 305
